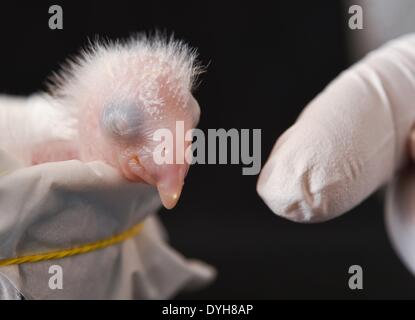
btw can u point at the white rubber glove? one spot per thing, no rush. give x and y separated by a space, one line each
60 205
350 140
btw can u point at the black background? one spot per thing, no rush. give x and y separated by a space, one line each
266 62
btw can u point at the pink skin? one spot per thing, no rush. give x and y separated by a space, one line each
133 156
117 98
135 160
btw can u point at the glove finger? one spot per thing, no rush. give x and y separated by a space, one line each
348 141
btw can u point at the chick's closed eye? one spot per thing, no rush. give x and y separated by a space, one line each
123 121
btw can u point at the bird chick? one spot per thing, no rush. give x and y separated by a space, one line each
116 95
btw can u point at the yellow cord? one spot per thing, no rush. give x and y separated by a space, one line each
59 254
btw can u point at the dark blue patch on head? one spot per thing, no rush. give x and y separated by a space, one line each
122 121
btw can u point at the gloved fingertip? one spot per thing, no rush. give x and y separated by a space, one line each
294 202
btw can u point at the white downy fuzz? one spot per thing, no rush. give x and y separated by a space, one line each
143 68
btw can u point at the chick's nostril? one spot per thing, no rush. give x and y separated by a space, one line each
135 160
138 169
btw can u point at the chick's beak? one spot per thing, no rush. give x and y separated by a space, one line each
168 178
170 183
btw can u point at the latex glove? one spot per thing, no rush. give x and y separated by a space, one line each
351 139
65 204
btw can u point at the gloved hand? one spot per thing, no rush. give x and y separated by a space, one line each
60 205
350 140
